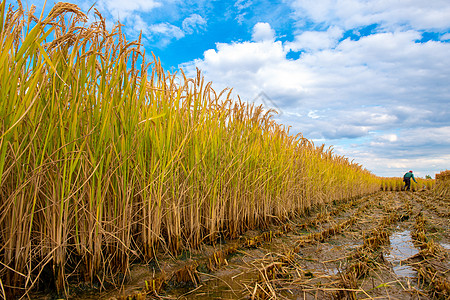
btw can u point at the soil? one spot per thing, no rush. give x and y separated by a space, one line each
364 248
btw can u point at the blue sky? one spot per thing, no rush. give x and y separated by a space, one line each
371 78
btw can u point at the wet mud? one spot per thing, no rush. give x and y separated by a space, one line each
376 247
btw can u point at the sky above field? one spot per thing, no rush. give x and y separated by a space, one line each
369 77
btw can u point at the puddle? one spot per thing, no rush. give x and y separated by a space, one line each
228 283
445 246
332 271
400 249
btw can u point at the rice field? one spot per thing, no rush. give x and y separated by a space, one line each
109 163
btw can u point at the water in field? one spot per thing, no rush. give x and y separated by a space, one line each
445 246
228 284
400 249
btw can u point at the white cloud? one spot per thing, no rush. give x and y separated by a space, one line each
167 29
390 166
125 9
381 68
193 23
313 114
242 4
377 118
160 34
140 25
122 10
389 137
314 40
445 37
165 32
240 7
349 14
424 150
263 32
422 136
339 131
239 58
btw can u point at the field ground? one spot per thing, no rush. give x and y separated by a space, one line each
389 245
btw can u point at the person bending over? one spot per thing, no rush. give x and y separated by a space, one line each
407 179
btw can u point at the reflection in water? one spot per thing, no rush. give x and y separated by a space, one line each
401 248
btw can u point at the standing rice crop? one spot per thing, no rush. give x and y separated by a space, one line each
105 158
442 186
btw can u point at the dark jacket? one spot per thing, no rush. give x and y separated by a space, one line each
409 175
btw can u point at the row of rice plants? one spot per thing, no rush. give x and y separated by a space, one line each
367 257
443 184
438 206
105 158
432 267
397 184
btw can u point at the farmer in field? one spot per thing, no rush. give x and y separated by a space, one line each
407 179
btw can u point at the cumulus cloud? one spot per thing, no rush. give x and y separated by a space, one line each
316 40
246 60
382 68
263 32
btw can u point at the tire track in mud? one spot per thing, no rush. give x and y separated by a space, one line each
431 231
431 263
437 214
439 206
367 272
429 260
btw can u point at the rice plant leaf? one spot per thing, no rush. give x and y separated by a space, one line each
153 118
36 97
49 61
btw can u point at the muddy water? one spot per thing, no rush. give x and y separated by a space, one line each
401 248
228 284
445 246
